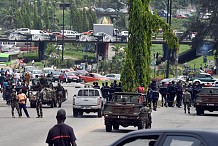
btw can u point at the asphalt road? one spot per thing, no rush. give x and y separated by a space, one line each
89 129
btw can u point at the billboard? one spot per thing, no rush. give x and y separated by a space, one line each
205 49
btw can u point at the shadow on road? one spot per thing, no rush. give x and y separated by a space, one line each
114 131
84 116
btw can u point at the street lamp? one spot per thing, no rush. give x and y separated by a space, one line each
63 5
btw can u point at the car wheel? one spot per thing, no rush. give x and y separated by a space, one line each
116 127
81 113
51 104
100 113
75 113
199 111
108 127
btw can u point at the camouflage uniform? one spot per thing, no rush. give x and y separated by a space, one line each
39 105
145 116
187 101
60 94
14 103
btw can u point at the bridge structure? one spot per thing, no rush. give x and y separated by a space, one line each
101 42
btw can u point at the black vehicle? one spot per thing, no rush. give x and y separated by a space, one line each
207 99
169 137
56 74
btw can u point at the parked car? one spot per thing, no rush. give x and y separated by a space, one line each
36 73
113 76
203 78
100 10
71 77
88 100
168 80
56 74
70 34
169 137
181 16
47 70
110 10
92 77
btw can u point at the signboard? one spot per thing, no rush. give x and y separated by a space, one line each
205 49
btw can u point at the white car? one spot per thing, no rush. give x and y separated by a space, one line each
88 100
47 70
70 34
113 76
36 73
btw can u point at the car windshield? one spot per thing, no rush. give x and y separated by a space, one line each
37 72
47 71
98 76
209 91
70 74
56 72
126 98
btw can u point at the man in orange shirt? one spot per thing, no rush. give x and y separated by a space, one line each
22 103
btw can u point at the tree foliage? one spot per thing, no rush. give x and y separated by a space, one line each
141 26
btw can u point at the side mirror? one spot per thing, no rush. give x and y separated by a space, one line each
74 95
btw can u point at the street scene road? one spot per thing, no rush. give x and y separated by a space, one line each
89 129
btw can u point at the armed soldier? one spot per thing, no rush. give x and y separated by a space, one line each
145 115
14 103
39 97
187 100
60 93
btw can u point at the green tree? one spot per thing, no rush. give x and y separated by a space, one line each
138 55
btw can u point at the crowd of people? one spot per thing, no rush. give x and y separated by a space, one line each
15 86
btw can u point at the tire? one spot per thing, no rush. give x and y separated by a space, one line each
100 113
75 113
51 104
81 113
140 125
108 127
198 111
116 127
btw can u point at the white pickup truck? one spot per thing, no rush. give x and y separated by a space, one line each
88 100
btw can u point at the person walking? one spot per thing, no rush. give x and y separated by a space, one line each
179 94
163 92
14 103
187 100
61 134
22 103
39 104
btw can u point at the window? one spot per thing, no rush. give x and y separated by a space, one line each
182 141
96 93
140 141
91 92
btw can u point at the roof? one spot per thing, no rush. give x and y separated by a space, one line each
210 136
127 93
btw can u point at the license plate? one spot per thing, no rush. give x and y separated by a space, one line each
123 117
210 104
86 107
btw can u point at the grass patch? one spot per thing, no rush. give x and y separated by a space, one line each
198 61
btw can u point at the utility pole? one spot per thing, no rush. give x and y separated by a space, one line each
169 20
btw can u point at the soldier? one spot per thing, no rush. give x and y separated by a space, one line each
118 88
105 91
171 94
96 86
145 115
187 100
163 92
179 94
111 91
39 104
59 91
14 103
43 81
155 97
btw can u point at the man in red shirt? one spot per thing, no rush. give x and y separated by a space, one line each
141 89
61 134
